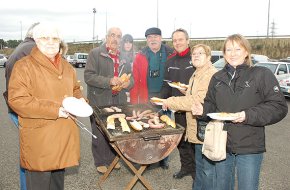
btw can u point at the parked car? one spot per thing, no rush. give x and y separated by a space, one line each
70 58
256 58
216 55
284 60
80 59
285 86
280 69
3 60
219 64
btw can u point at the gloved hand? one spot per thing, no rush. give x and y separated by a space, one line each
62 113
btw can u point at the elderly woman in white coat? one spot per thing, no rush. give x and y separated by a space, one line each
198 86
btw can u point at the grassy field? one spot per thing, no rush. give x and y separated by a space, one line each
273 48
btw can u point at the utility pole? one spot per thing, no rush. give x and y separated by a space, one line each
273 29
269 3
94 12
106 22
157 13
190 30
174 23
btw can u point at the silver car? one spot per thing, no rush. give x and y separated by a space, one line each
3 60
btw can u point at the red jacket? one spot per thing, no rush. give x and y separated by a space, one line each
139 92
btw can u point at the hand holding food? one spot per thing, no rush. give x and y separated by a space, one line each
241 117
115 81
124 82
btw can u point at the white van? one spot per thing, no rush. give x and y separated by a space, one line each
80 59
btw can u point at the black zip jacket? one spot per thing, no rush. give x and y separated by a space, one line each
254 90
177 69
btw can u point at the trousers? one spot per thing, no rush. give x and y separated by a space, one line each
185 148
102 151
247 167
13 116
48 180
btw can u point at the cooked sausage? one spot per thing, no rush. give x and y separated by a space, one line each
155 126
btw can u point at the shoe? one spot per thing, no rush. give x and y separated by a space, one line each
164 164
102 169
117 166
181 174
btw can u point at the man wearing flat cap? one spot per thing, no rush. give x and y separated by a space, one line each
148 71
148 67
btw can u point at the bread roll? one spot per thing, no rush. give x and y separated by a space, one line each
136 125
168 121
124 78
124 125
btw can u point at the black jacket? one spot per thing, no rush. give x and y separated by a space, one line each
254 90
22 50
177 69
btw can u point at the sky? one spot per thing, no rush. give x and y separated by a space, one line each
201 18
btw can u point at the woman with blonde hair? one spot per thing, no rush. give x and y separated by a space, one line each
198 86
253 95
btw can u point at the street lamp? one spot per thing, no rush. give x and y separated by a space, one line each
21 30
94 11
268 18
157 13
106 22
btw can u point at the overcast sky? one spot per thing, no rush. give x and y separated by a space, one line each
201 18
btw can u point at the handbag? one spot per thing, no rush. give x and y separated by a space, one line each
201 125
215 141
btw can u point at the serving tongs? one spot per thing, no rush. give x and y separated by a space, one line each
81 125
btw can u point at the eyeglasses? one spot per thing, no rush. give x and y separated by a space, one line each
52 39
113 35
198 53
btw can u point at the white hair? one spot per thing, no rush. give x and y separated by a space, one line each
46 30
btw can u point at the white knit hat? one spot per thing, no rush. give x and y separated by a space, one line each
46 30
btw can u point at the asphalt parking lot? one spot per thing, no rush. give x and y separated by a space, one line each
274 175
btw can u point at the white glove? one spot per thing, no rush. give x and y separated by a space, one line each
62 113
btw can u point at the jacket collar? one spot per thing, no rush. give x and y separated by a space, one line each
223 74
42 60
201 71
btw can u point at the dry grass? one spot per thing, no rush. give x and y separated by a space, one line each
273 48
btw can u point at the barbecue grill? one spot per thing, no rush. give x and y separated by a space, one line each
143 147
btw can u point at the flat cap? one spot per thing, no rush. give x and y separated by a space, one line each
153 30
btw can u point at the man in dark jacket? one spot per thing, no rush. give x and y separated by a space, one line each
179 69
22 50
102 73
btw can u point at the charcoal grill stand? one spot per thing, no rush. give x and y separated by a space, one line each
161 143
138 173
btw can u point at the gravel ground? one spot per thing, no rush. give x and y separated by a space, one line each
274 175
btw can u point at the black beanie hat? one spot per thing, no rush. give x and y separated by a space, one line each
153 30
127 38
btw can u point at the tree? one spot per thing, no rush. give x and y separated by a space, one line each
2 44
13 43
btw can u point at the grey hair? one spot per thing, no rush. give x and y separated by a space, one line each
110 31
63 48
29 33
